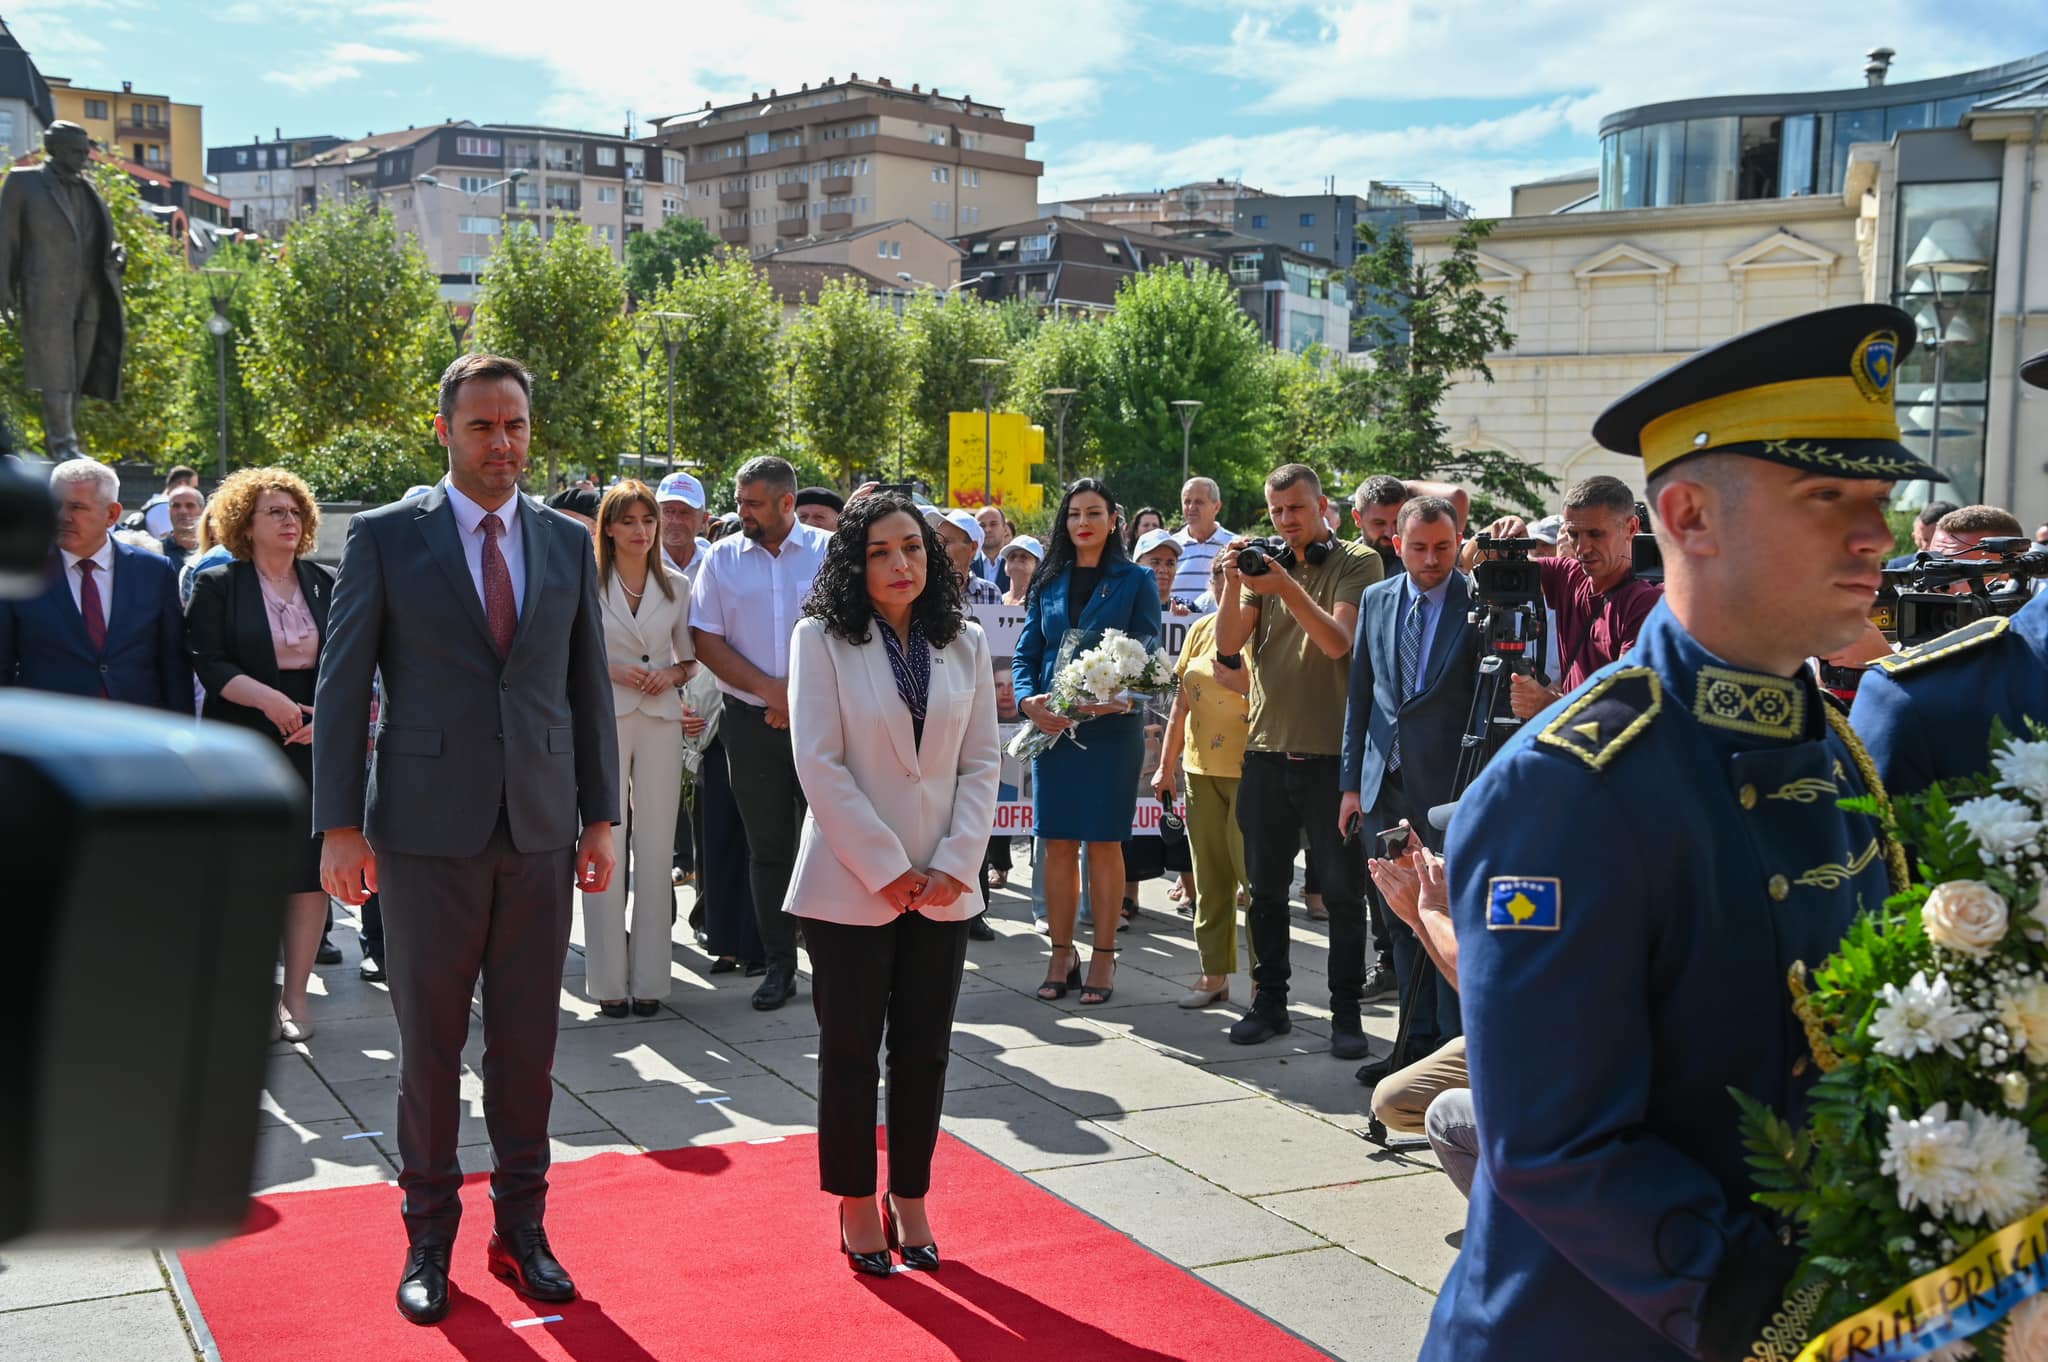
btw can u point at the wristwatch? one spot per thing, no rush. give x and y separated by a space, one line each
1230 660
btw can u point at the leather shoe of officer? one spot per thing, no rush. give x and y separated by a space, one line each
423 1291
521 1258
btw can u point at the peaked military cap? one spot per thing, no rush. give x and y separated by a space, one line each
2035 369
1812 392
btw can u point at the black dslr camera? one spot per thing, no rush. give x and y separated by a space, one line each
1259 556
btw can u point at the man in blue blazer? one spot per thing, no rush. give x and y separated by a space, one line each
1414 668
108 622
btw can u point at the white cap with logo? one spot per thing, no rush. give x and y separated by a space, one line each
681 487
1153 539
962 520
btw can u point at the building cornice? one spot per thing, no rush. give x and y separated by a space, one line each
1624 221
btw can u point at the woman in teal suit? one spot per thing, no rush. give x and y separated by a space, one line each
1084 796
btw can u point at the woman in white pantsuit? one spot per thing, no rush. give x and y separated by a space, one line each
646 609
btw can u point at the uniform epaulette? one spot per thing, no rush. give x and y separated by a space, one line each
1975 634
1597 725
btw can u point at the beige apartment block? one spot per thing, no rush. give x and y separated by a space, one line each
903 254
1196 204
817 162
150 130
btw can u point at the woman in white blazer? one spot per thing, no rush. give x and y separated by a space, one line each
893 720
646 611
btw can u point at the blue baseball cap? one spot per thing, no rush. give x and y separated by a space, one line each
681 487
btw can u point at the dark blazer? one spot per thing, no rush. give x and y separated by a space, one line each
461 729
227 630
1127 598
43 644
1432 720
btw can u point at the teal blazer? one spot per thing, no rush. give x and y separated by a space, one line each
1127 598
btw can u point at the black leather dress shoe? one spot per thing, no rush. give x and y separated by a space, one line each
754 969
1347 1037
618 1009
775 990
645 1007
521 1258
328 954
423 1291
724 964
978 928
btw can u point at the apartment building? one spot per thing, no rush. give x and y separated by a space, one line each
257 180
25 105
1061 262
1297 297
154 131
1200 203
817 162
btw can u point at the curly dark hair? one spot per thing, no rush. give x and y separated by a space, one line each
1059 548
839 593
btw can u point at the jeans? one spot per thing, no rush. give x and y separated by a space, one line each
1277 798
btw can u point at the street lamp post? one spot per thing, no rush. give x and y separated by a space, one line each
220 291
511 177
988 369
1949 251
1187 407
643 346
1061 399
672 341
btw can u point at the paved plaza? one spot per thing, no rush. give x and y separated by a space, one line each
1242 1164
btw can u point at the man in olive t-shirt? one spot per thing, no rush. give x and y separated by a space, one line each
1293 627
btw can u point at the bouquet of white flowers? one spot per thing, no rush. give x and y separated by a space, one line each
1095 669
1918 1182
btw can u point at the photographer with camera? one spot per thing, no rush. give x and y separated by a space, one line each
1591 586
1927 712
1288 613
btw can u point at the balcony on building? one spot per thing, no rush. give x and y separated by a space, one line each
636 202
793 192
836 186
158 132
834 222
564 200
733 198
736 235
792 227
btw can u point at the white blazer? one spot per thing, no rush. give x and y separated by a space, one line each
881 803
658 636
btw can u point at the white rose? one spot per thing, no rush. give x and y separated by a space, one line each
2026 1337
2024 1010
1965 916
1999 826
2023 767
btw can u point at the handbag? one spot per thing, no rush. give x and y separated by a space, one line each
1173 838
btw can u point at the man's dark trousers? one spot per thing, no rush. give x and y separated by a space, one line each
772 808
1281 795
502 916
722 868
1434 1019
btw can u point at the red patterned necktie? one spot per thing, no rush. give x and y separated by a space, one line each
499 609
89 605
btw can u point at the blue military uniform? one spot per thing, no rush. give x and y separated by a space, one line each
1634 877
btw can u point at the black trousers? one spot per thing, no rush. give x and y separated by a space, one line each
893 986
1279 797
723 878
502 915
771 806
1435 1015
372 935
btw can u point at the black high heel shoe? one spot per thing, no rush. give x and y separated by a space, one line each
1091 996
867 1264
1055 988
916 1257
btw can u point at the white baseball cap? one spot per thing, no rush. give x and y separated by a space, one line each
1153 539
681 487
1024 543
964 521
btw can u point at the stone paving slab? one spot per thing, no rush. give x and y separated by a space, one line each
1401 1224
33 1277
1200 1036
1335 1300
1108 1077
796 1063
1174 1213
303 1158
1313 1082
373 1102
293 1091
476 1158
140 1328
985 1023
660 1051
1254 1146
757 1106
1028 1133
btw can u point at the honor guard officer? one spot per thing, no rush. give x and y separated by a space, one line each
1637 871
1926 712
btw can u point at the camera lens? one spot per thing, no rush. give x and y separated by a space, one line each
1251 562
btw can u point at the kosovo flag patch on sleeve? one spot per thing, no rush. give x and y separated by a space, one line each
1526 905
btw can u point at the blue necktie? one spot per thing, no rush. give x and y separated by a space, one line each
1411 658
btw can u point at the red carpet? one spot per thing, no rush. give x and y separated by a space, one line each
719 1254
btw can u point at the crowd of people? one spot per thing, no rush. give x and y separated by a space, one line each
536 686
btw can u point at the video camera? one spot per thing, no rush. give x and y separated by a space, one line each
1508 613
1912 607
1506 574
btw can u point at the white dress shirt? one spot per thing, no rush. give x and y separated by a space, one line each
1432 613
752 598
469 518
73 578
696 560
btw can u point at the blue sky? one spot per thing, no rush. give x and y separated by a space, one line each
1474 94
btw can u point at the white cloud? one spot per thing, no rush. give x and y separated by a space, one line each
342 61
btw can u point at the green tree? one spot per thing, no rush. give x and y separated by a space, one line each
343 331
943 336
1428 325
852 379
249 443
1180 334
654 258
1308 403
558 307
371 466
729 397
1064 352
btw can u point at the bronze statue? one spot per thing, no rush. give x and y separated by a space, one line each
60 274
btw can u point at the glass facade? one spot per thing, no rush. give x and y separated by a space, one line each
1947 240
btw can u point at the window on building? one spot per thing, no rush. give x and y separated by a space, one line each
471 264
895 247
607 231
967 141
477 226
942 175
1244 266
672 171
1258 220
607 156
970 216
97 108
135 113
477 146
1308 219
262 181
937 137
1959 220
670 204
472 184
241 157
971 178
1036 248
1306 247
757 143
152 154
607 193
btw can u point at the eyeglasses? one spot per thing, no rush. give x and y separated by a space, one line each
280 514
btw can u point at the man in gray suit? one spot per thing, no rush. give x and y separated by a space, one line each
494 787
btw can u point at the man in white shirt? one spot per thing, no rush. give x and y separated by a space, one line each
745 603
681 499
1200 538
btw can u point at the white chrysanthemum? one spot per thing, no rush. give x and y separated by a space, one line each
1998 825
1920 1019
2005 1170
2023 767
1929 1159
2024 1010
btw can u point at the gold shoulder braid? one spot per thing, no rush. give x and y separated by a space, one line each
1825 1055
1791 1323
1894 854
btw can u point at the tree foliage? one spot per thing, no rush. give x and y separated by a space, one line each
1064 352
343 330
852 378
557 306
654 258
249 444
728 389
1180 334
1428 325
370 466
943 335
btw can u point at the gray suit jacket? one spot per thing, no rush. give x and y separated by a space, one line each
462 729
